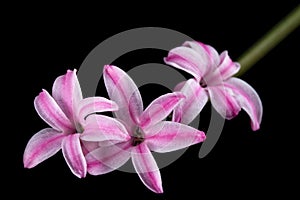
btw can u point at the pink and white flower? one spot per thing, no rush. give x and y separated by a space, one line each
147 131
212 81
66 114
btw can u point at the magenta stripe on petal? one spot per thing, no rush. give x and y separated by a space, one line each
67 93
146 167
122 90
179 62
210 57
106 159
227 67
248 99
73 155
205 48
224 101
212 54
102 128
51 113
189 108
160 108
171 136
92 105
42 146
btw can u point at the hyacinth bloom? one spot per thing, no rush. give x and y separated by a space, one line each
147 129
212 81
65 111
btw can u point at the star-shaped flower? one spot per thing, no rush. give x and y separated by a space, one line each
66 112
212 80
147 129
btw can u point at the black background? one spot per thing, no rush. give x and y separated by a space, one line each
45 41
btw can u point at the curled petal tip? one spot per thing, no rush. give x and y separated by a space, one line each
41 95
238 65
43 90
159 190
200 136
26 164
71 71
166 59
255 127
108 67
82 175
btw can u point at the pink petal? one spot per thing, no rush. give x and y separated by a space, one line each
209 56
88 146
146 167
248 100
100 128
92 105
73 155
224 101
160 108
51 113
124 92
188 60
106 143
106 159
42 146
172 136
190 107
67 93
227 68
179 86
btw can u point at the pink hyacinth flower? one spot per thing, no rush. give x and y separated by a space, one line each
65 112
147 129
212 81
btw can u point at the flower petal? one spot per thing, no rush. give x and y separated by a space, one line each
209 56
92 105
125 93
190 107
88 146
227 67
160 108
248 99
42 146
67 93
224 101
171 136
51 113
73 155
179 86
100 128
108 158
146 167
188 60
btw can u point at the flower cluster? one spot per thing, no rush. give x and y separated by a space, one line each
95 143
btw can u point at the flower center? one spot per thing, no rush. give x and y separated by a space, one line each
79 128
203 83
138 137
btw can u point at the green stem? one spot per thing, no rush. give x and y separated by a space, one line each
269 40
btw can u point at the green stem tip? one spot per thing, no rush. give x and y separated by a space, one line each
269 40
